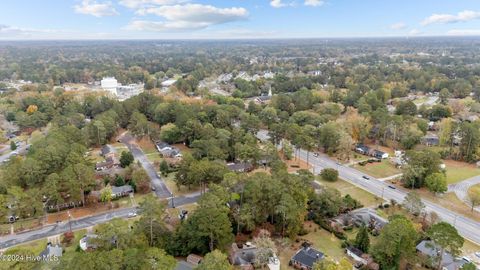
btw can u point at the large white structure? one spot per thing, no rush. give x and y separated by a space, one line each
109 84
122 92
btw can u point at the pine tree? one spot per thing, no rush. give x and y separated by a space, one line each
362 240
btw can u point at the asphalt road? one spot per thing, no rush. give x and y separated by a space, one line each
161 190
467 227
77 224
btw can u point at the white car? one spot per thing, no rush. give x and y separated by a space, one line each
477 254
132 214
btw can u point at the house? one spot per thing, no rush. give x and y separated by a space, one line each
368 217
360 217
306 257
86 242
365 150
191 263
244 257
173 152
106 150
432 253
362 149
380 154
104 165
356 254
121 191
162 146
240 167
430 140
51 251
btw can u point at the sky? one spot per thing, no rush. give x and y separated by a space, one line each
235 19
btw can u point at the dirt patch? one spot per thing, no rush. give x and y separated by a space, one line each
146 144
182 147
78 213
294 165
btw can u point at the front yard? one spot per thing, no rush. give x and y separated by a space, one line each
366 198
379 169
458 171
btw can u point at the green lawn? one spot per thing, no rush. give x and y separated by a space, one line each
475 189
459 171
379 169
365 197
154 157
324 241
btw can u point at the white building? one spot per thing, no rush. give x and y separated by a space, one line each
122 92
109 84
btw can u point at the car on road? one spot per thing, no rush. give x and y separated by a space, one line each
392 187
477 254
316 154
132 214
366 177
153 188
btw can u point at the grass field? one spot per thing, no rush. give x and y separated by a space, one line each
172 186
379 169
459 171
475 189
366 198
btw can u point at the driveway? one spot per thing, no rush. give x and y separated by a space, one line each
161 190
461 189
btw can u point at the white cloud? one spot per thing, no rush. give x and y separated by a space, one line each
414 32
187 17
464 32
134 4
278 3
398 26
314 3
94 8
464 16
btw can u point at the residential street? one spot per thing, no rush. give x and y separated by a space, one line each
468 228
21 150
161 190
62 227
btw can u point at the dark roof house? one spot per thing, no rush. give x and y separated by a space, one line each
51 250
432 253
121 191
240 167
306 257
243 256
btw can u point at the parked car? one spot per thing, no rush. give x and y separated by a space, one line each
132 214
315 154
392 187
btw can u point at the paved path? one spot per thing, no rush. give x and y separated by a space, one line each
161 190
461 189
467 227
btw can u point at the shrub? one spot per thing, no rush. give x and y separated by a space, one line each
329 174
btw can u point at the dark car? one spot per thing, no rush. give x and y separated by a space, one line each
392 187
366 177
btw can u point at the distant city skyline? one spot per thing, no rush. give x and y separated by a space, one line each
235 19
